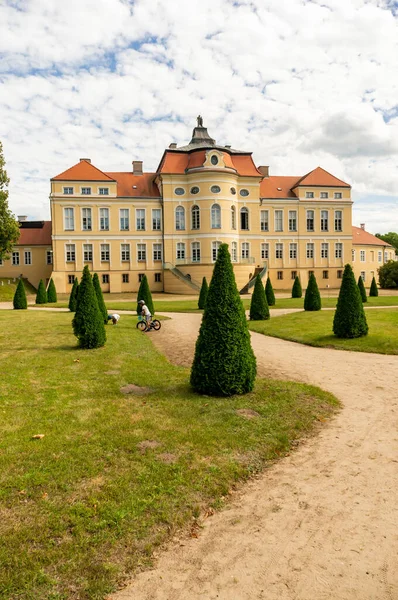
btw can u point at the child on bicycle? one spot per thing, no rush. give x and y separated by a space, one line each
145 312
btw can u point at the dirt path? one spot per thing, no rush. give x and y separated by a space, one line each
323 522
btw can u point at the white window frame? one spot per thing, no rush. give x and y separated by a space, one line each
195 217
27 252
69 218
104 218
264 220
310 220
310 250
338 250
265 251
87 219
279 250
69 192
103 191
245 250
215 216
234 251
309 194
125 252
244 211
292 220
338 220
338 195
140 219
363 276
293 250
180 251
195 252
233 217
124 219
278 220
325 250
214 250
362 256
70 253
85 191
324 195
379 256
87 253
157 252
141 252
324 220
156 219
105 252
180 218
49 257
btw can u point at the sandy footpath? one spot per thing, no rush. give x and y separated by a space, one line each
320 524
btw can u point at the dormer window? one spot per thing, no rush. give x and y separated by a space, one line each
214 160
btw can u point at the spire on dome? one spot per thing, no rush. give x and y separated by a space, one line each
200 134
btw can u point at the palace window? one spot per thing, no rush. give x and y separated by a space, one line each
105 252
195 190
234 251
86 219
363 275
215 216
124 217
338 220
338 195
105 278
70 253
103 191
310 250
292 250
325 274
49 257
279 275
338 250
339 274
69 219
362 256
195 215
279 220
104 219
71 279
293 275
140 219
180 218
125 278
195 247
156 219
233 217
125 252
179 191
309 194
265 251
244 193
244 218
279 250
87 252
310 220
264 220
324 220
68 191
141 252
245 252
86 191
157 252
28 257
158 277
215 189
180 251
292 220
325 250
380 257
324 195
214 250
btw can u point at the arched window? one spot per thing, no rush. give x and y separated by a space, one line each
233 217
244 218
216 216
195 214
180 218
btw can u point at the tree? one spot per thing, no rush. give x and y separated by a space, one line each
390 238
312 299
73 296
373 288
297 291
349 319
203 293
100 298
88 324
269 292
51 292
19 300
9 227
362 290
144 293
388 274
41 296
224 362
259 310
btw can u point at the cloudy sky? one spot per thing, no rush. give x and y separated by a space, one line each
300 83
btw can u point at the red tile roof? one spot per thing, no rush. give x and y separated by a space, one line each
278 187
361 237
82 171
35 236
320 177
179 162
136 186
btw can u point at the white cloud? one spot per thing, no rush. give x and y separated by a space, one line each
301 84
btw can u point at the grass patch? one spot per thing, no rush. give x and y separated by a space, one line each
315 329
7 290
118 302
115 474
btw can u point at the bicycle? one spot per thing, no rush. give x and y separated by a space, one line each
143 325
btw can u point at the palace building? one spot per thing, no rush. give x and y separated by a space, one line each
169 224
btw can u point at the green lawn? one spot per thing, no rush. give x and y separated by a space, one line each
114 302
315 329
7 290
115 474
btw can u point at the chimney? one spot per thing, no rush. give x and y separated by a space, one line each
264 171
86 159
22 218
173 146
228 146
137 167
363 226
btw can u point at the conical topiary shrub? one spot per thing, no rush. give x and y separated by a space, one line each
349 319
203 293
362 290
19 300
269 292
144 293
73 296
259 310
312 298
51 292
88 324
41 296
297 291
100 298
373 288
224 362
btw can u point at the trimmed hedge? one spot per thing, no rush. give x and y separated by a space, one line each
269 292
51 292
297 290
88 324
259 310
19 301
41 296
144 293
73 296
373 288
224 362
100 298
362 290
312 299
204 290
349 319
